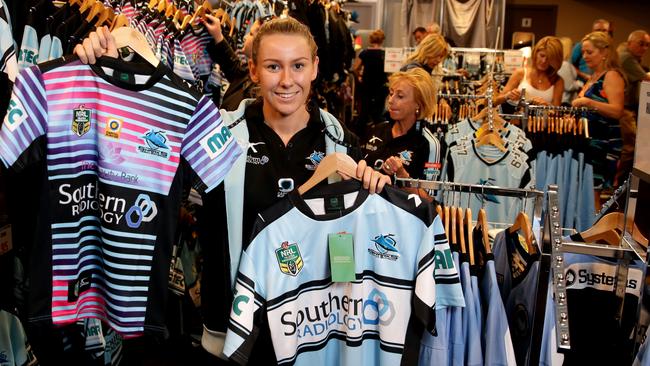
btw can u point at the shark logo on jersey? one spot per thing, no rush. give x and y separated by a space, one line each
80 121
485 196
386 247
315 159
406 156
156 142
289 258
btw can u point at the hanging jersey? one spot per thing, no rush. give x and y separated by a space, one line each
471 327
487 165
590 282
497 344
56 49
284 277
467 128
8 62
195 48
28 54
44 48
14 348
181 63
117 148
517 272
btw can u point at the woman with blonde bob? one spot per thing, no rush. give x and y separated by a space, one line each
540 79
404 146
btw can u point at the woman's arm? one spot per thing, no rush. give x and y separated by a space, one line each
510 91
614 88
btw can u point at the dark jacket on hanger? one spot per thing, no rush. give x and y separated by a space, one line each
340 43
241 86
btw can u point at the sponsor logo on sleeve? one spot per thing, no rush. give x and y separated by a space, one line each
15 115
216 141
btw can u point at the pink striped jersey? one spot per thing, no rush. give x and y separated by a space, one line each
120 141
195 48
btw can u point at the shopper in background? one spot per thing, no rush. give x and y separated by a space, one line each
539 78
599 25
418 35
604 92
370 67
285 137
630 54
402 146
568 73
428 56
236 72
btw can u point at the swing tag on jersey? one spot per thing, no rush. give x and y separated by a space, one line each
341 251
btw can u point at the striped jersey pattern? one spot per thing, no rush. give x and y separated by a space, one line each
113 162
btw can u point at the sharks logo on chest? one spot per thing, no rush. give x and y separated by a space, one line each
385 247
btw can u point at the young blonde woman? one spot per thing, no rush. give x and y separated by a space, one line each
540 79
285 136
403 146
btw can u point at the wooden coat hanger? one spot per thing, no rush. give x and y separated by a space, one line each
608 229
87 4
439 211
134 40
446 218
461 231
522 222
481 222
120 21
96 9
107 15
492 138
333 163
453 215
470 236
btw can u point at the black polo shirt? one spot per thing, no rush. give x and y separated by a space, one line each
273 169
412 148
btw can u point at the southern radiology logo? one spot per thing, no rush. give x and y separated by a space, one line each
289 258
339 313
111 209
156 144
113 128
385 247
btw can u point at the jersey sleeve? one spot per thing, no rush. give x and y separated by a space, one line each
247 313
424 302
8 62
26 119
448 289
208 145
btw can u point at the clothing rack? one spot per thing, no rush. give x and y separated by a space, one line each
552 263
461 96
469 188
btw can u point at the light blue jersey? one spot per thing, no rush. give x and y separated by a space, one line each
44 48
487 165
466 128
471 327
284 277
28 54
497 344
8 63
56 49
14 348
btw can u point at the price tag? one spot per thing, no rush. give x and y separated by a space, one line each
341 257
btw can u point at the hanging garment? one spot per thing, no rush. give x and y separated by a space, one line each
470 23
14 347
284 279
517 272
487 165
596 336
116 137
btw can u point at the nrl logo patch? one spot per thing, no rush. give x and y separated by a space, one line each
80 121
289 258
